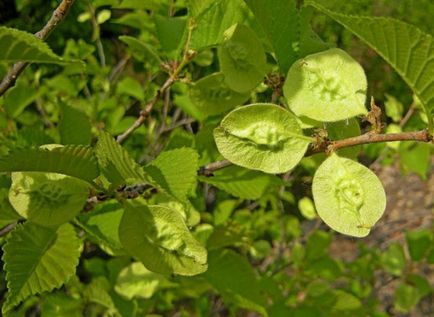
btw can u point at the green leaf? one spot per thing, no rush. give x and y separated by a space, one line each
234 278
136 281
241 182
212 95
263 137
160 239
141 50
47 199
72 160
419 242
18 98
170 31
37 260
345 129
280 21
116 164
394 108
131 87
307 208
214 20
287 29
406 48
22 46
393 259
406 297
103 224
175 171
195 7
326 86
348 196
242 58
415 157
74 126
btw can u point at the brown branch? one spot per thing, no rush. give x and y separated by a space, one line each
58 15
8 228
328 146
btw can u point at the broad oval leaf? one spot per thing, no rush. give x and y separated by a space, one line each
175 171
242 58
73 160
406 48
326 86
348 196
38 259
213 96
22 46
48 199
160 239
263 137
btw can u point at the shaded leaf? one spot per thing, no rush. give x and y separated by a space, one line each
175 171
234 278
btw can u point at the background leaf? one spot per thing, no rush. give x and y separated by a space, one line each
74 126
234 278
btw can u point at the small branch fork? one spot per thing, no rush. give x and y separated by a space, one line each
173 77
58 16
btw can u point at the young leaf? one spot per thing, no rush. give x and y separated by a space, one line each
326 86
38 259
72 160
175 171
22 46
242 58
233 277
160 239
406 48
117 166
241 182
213 96
348 196
74 126
47 199
263 137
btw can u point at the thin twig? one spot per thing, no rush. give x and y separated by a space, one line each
332 146
186 58
58 15
5 230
